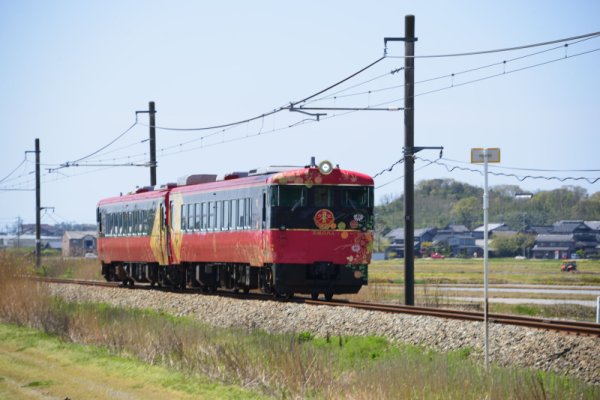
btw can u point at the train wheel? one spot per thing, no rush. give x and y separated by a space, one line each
288 295
328 296
129 283
246 290
314 296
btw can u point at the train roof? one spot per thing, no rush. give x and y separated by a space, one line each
307 176
297 176
141 194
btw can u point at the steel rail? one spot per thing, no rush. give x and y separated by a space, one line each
568 326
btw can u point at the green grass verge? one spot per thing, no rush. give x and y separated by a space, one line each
35 364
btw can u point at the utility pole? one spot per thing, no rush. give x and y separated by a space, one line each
38 207
409 169
152 111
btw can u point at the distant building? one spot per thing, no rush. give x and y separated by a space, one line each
554 246
79 243
20 241
396 238
492 228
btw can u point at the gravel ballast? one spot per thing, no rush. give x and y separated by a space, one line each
577 356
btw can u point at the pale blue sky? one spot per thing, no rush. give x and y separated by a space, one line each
73 73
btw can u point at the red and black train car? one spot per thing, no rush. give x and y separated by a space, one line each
303 230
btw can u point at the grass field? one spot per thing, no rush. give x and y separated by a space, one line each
501 271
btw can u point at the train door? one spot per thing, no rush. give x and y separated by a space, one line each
165 229
263 228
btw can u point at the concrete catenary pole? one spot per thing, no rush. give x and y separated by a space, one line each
38 207
409 171
152 112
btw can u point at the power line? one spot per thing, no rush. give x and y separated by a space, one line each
70 163
14 170
274 111
474 53
455 74
451 168
527 169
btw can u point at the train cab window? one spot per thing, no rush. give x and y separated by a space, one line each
322 196
288 196
357 198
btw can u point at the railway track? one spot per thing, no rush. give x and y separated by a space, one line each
571 327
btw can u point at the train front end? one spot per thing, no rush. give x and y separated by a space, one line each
320 230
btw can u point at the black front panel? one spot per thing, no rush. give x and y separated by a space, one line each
299 207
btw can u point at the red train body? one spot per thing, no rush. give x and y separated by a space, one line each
298 231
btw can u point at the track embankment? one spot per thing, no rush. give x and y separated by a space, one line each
510 345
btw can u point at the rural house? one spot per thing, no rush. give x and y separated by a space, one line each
78 243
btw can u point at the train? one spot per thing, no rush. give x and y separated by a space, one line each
282 230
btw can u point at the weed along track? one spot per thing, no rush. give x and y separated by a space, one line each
571 327
510 345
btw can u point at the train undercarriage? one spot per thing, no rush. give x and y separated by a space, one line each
280 280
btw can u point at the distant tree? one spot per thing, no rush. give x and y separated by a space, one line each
467 211
514 245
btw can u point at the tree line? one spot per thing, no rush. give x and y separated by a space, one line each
441 202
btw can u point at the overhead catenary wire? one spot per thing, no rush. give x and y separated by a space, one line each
14 170
456 74
451 168
501 50
71 163
307 99
312 98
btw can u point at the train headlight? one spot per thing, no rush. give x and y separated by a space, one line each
282 228
357 274
325 167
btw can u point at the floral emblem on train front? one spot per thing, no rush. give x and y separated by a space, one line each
324 219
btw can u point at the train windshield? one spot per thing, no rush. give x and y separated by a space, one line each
347 197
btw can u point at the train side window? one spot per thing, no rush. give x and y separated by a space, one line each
151 216
212 210
198 218
234 214
249 213
125 229
133 223
191 216
129 222
219 219
204 216
183 217
226 214
241 213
